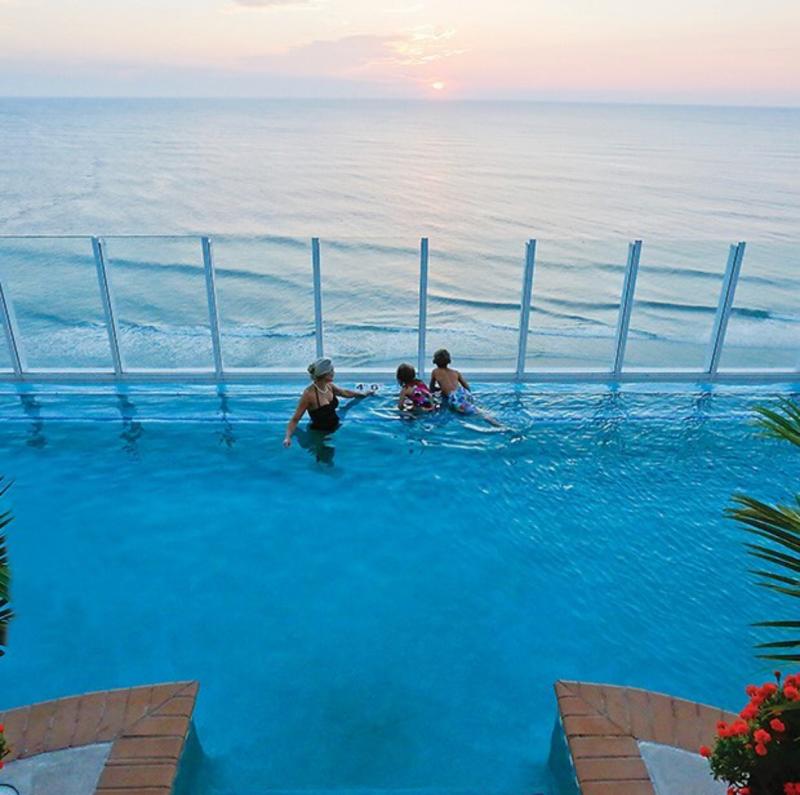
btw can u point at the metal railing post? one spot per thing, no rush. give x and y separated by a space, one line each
11 332
107 297
315 265
626 304
213 308
732 270
525 308
423 306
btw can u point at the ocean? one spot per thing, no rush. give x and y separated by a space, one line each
369 179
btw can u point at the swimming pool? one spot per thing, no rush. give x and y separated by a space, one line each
394 616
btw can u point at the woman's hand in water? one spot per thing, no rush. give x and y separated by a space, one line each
287 441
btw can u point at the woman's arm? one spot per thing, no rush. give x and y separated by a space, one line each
348 393
432 386
302 405
463 381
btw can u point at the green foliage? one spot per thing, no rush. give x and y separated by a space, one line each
5 576
733 760
778 529
759 752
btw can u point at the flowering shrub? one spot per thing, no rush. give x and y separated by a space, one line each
759 752
4 750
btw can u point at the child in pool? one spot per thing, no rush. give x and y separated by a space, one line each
414 394
455 389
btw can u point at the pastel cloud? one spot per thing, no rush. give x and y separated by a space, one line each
368 55
332 56
275 3
424 44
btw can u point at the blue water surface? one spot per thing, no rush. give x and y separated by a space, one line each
390 612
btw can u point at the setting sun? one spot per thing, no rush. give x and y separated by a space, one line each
437 86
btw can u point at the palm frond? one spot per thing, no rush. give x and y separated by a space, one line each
779 526
783 423
6 613
780 624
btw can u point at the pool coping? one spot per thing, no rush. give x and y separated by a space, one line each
146 725
603 725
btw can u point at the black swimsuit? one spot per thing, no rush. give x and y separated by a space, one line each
324 418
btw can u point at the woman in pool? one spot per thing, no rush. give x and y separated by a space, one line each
320 400
414 394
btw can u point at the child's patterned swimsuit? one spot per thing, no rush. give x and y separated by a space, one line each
420 396
461 400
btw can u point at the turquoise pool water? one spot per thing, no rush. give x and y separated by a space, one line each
394 615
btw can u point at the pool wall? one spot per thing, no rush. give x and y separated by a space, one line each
147 727
604 725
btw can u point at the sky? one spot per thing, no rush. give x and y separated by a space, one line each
729 52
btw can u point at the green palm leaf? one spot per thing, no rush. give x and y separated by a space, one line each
5 576
781 424
779 526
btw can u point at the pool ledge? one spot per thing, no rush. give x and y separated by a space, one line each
146 726
604 726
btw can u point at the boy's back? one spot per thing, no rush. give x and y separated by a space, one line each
447 379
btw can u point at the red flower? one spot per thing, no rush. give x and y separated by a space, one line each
777 725
762 737
739 727
791 692
751 690
790 788
769 689
2 727
705 751
744 791
749 712
761 749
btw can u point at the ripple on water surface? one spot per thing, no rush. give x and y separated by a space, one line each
394 614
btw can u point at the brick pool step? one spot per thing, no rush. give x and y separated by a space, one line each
147 727
603 725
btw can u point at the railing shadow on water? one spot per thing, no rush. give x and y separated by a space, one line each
185 309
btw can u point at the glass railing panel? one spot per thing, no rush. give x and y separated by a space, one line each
52 283
764 325
474 301
676 298
370 297
266 301
575 304
159 290
5 357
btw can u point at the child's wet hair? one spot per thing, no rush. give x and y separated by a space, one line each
406 374
442 357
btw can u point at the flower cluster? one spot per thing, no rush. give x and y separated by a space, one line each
759 752
4 750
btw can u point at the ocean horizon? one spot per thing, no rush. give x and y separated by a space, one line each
370 178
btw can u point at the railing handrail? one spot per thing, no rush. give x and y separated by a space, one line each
219 372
